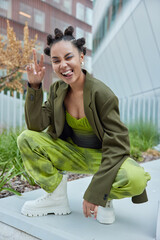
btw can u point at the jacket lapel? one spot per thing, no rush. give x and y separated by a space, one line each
89 108
59 113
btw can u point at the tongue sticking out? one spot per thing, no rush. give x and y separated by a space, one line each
68 74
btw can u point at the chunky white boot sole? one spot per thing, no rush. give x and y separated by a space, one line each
43 211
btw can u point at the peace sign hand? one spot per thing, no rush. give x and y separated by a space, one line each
36 71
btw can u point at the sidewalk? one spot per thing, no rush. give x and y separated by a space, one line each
133 221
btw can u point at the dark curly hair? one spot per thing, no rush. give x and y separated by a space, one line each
67 36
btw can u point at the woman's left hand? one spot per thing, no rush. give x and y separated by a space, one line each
89 209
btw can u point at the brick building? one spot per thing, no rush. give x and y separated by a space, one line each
42 17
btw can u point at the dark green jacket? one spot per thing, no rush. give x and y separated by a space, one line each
101 110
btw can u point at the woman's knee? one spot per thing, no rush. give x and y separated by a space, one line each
23 137
138 181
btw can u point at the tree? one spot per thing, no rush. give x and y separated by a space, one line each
14 56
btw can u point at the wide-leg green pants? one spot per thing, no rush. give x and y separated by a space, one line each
45 159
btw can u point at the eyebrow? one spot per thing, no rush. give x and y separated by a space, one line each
64 56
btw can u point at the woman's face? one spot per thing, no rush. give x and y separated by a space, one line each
66 61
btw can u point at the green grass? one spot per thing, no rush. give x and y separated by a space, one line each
11 162
142 137
8 148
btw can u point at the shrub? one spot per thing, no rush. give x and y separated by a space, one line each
142 137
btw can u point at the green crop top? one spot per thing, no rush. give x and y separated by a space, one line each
83 134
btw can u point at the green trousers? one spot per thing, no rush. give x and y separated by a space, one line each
45 159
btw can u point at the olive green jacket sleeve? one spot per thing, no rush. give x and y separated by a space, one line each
38 117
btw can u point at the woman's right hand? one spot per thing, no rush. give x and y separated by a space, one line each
36 71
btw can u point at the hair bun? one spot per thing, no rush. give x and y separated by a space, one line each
69 31
49 39
58 33
47 51
81 42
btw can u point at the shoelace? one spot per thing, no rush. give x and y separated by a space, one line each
44 197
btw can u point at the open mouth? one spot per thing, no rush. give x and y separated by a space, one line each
68 73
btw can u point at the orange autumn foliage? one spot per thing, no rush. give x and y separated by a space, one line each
14 56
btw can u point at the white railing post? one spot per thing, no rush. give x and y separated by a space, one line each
14 110
133 110
8 111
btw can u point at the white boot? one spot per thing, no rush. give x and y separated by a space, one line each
106 214
55 202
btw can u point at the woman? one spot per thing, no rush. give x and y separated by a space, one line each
85 135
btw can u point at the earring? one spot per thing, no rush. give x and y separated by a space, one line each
82 64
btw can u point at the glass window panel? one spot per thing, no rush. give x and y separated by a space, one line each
89 40
39 19
79 32
89 16
5 8
67 6
25 14
80 11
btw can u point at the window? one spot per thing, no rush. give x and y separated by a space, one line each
67 6
84 13
87 35
79 32
80 11
89 40
39 20
34 17
88 17
5 8
25 14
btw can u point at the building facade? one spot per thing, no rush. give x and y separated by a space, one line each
126 54
42 17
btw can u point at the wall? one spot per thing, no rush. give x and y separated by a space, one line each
128 60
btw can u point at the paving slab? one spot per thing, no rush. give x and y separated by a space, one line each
133 221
